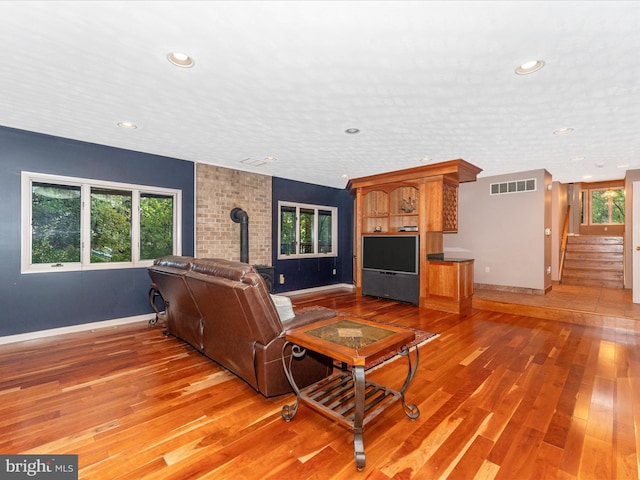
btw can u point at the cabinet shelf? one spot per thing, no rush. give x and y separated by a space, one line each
382 210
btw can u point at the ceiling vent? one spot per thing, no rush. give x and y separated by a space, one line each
254 162
514 186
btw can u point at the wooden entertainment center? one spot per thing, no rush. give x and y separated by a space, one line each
416 201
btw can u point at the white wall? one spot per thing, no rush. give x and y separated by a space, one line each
505 233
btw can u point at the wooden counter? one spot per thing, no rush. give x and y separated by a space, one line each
450 286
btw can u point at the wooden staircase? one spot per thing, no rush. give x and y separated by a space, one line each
594 260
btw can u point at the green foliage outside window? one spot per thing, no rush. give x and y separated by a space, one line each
306 230
324 231
287 230
110 226
156 226
55 223
607 210
617 208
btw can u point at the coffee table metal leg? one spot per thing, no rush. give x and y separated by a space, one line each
410 410
289 411
358 418
358 395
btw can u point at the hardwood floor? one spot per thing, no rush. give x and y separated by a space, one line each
501 396
583 305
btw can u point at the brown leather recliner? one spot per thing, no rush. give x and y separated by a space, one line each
223 309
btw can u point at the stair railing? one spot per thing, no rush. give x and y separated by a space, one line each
563 245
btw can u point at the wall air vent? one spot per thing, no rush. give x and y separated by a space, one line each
514 186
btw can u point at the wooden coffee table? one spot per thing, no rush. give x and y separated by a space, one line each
348 397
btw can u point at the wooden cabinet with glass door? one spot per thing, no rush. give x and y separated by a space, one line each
390 208
375 211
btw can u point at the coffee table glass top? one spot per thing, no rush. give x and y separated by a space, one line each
350 334
350 340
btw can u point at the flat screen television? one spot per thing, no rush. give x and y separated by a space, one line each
391 253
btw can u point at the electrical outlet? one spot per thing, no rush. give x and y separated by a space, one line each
487 269
333 272
282 279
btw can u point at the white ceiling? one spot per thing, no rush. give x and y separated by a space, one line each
285 79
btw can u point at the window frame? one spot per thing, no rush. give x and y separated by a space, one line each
316 239
586 200
86 185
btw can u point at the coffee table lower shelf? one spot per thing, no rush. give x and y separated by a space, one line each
335 397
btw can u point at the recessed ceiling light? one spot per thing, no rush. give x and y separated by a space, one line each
577 159
344 175
623 166
352 131
180 59
529 67
563 131
426 159
129 125
587 177
270 159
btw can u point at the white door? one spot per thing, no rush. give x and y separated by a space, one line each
635 245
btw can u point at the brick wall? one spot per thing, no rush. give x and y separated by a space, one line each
219 190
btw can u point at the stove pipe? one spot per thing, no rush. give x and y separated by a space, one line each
240 216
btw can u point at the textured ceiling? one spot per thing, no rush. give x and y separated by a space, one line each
285 79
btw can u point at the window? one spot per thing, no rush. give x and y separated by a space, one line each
75 224
55 223
306 230
604 206
156 225
110 225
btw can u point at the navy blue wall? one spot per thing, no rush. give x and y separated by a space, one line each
40 301
314 272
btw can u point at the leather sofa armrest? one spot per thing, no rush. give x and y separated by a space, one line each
307 316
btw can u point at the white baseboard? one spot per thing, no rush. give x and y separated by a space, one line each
21 337
318 289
